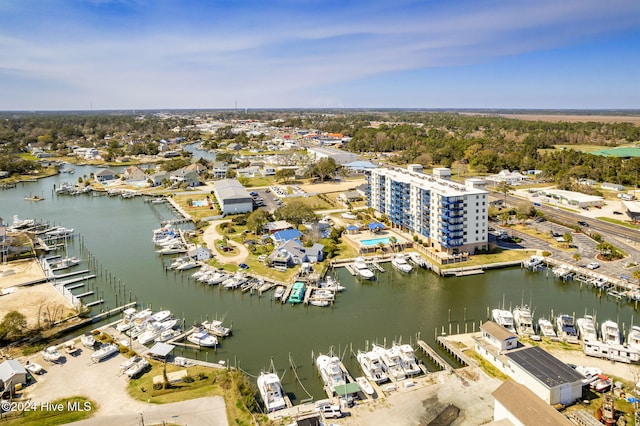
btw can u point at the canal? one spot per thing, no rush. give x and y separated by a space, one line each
116 233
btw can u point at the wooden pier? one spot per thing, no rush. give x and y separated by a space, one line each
73 287
455 351
434 356
95 302
88 293
75 280
377 266
71 274
287 292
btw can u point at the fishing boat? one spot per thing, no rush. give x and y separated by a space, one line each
523 320
371 366
217 278
87 340
399 262
362 269
168 335
271 392
64 263
160 316
34 198
546 328
200 337
407 357
633 339
137 368
279 292
587 328
34 368
504 318
104 352
565 326
130 363
391 363
610 332
332 284
533 262
216 328
51 354
330 371
127 320
297 293
189 264
418 260
365 385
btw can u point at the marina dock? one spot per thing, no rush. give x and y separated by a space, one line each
431 354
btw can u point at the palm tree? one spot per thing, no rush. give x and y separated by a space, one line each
577 257
505 188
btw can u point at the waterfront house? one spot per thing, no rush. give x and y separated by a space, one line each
157 178
219 170
349 196
199 253
498 336
197 168
104 175
134 174
516 404
183 175
12 373
294 253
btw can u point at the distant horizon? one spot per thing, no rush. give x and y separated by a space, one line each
113 55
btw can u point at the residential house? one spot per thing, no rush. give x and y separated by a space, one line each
197 168
268 171
219 170
280 237
293 252
104 175
199 253
349 196
612 186
133 174
157 178
278 225
184 176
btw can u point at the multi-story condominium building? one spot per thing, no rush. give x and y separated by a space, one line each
450 216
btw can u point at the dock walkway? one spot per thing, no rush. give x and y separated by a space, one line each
434 356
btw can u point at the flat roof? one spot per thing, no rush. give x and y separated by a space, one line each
161 349
447 188
548 369
632 206
231 189
571 195
526 406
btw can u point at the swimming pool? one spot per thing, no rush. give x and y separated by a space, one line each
200 203
375 241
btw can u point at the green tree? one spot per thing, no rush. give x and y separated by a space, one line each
568 238
285 174
505 188
257 220
324 168
296 212
13 326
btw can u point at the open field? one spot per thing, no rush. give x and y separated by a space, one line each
572 118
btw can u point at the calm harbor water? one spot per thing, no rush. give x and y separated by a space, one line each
117 234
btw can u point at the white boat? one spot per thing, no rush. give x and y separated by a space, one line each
216 328
34 368
610 332
127 320
141 316
51 354
64 263
586 328
533 262
332 284
160 316
362 269
504 318
371 365
104 352
137 368
172 249
168 335
189 264
523 320
633 339
319 302
365 385
271 392
152 330
60 232
418 260
565 326
279 292
399 262
546 328
87 340
330 371
391 363
407 359
177 261
217 278
200 337
130 363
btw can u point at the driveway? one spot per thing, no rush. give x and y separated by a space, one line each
211 235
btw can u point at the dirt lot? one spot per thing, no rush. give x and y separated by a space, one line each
570 118
323 188
103 383
31 300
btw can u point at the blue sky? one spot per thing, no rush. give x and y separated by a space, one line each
144 54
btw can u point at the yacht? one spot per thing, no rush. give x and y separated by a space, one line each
189 264
137 368
587 328
372 367
127 320
104 352
399 262
51 354
407 359
362 269
155 329
88 340
391 363
216 328
64 263
331 371
504 318
365 385
565 326
331 284
546 328
633 339
160 316
200 337
523 320
533 262
217 278
271 391
610 333
418 260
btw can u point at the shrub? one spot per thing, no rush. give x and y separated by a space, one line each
188 379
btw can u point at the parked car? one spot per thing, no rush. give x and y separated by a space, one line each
593 265
582 223
617 212
243 266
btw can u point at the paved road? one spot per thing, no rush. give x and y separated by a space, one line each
211 235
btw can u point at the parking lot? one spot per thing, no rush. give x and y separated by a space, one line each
265 198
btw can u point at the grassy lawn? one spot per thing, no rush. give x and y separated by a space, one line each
545 236
259 181
63 411
314 202
237 391
501 256
618 222
195 212
486 366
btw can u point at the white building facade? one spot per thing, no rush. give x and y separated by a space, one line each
452 217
